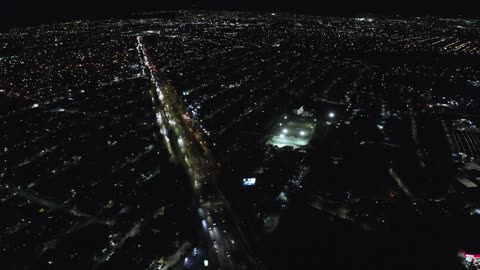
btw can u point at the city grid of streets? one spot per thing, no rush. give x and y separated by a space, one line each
240 140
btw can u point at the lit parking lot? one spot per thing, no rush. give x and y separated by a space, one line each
294 131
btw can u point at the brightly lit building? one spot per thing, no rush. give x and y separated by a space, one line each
473 260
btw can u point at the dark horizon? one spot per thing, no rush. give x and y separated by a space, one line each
22 13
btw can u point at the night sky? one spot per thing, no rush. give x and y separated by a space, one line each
27 12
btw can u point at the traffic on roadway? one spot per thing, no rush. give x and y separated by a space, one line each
219 232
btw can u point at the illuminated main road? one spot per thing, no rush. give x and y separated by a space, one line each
226 247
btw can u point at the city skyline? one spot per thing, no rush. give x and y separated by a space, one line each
28 13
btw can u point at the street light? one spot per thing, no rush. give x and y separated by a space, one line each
302 133
285 131
331 115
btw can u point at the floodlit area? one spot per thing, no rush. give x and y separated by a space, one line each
294 131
